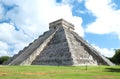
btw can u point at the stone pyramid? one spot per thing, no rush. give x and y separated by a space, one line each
59 46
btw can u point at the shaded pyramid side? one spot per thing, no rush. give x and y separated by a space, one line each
83 52
80 55
56 52
27 55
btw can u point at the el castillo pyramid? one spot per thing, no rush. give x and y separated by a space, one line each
59 46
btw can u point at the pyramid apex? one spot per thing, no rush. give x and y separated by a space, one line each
61 23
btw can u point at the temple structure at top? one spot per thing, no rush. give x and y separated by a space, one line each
61 23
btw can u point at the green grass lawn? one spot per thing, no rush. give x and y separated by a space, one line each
59 72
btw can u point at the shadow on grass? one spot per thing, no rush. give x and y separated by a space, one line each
112 69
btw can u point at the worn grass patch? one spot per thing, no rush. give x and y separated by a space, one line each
59 72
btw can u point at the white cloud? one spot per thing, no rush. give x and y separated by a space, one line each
107 17
3 48
4 45
11 39
104 51
9 35
32 18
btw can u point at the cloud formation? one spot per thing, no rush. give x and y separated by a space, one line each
23 21
107 17
104 51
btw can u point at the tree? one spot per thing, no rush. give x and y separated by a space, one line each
3 59
116 58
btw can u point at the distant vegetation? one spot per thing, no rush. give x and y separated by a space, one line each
4 59
116 58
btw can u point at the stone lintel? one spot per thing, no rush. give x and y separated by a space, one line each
61 23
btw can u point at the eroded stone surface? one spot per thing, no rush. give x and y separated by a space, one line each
56 52
59 46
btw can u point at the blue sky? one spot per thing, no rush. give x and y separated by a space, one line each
97 21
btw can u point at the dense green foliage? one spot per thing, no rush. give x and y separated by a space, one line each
3 59
116 58
59 72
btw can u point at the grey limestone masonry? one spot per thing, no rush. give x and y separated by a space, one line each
27 51
59 46
56 52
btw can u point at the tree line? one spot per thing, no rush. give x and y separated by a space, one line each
116 57
4 59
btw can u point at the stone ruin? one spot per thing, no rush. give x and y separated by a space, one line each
60 46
